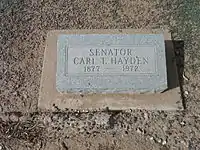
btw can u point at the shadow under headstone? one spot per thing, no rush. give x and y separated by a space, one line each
175 65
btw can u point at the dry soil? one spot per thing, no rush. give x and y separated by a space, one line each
24 26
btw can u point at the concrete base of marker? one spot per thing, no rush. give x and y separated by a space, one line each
49 96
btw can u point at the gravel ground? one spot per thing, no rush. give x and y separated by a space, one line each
24 25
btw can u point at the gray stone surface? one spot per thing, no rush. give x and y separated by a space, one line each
110 63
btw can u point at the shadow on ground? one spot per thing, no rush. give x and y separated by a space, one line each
175 65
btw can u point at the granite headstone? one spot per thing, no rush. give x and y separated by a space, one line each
111 63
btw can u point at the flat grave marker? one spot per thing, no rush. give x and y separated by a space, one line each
111 63
119 69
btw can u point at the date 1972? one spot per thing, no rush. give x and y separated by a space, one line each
130 68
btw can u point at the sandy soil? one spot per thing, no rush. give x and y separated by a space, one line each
24 25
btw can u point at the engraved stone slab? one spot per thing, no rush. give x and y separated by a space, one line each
62 46
111 63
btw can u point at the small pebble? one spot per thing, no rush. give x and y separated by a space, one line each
25 96
138 130
128 111
159 140
15 93
196 89
151 138
182 123
146 116
186 92
14 118
186 78
164 142
1 147
183 142
55 117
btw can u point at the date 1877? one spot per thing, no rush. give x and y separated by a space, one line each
91 68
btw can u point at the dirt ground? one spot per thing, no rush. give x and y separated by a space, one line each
24 26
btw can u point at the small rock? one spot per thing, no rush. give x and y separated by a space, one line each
1 147
185 77
164 142
47 120
146 116
182 122
196 88
165 128
15 93
72 125
14 118
129 111
159 140
186 92
183 142
25 96
138 130
151 138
